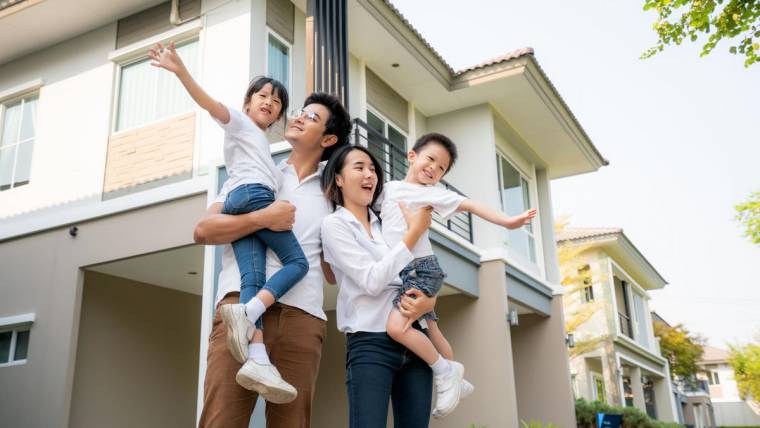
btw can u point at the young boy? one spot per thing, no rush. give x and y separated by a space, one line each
430 159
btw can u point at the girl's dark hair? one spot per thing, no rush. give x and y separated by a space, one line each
278 89
441 140
335 166
339 123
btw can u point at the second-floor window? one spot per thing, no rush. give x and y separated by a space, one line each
712 378
515 199
588 294
18 122
14 345
393 158
278 59
147 94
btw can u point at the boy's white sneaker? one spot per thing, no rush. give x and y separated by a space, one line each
448 390
266 380
238 325
467 390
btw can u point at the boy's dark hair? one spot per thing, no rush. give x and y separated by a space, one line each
339 123
278 89
440 139
335 166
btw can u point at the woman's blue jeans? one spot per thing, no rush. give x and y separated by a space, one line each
251 251
379 369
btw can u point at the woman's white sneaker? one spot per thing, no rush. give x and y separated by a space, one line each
266 380
238 325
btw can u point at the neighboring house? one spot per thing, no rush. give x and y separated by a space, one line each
730 408
626 367
692 396
106 165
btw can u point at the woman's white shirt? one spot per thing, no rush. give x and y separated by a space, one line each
365 268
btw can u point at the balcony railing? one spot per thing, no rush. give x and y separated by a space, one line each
393 160
625 324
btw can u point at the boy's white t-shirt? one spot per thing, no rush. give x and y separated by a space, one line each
246 154
444 202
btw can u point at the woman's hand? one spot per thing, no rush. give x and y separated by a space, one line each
415 304
166 57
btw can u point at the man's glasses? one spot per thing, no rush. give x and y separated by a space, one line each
295 114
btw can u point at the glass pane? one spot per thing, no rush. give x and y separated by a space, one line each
5 346
376 144
278 60
397 153
11 122
526 200
23 162
173 98
511 190
137 94
29 119
7 155
22 345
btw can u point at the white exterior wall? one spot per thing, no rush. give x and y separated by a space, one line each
73 120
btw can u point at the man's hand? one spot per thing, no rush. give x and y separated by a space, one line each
280 216
415 304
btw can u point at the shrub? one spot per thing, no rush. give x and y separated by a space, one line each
585 414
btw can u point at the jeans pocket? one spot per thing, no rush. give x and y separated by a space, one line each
237 200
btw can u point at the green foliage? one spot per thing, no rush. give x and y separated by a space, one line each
681 348
585 414
687 20
745 360
748 213
536 424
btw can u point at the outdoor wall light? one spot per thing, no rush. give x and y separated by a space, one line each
512 317
73 231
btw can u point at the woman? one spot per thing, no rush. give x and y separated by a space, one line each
366 270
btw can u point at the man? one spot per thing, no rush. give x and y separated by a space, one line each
294 328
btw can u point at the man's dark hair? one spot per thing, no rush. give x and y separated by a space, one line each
339 123
442 140
335 166
278 89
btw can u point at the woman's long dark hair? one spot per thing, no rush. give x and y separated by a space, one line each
335 166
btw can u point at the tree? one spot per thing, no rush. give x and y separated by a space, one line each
735 20
576 276
745 360
748 213
681 348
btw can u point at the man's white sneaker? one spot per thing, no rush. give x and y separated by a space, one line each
467 390
448 390
266 380
233 316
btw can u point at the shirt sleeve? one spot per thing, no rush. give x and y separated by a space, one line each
342 250
445 202
236 123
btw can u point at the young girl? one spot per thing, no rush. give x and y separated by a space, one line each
253 180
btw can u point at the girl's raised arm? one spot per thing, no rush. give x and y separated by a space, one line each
166 57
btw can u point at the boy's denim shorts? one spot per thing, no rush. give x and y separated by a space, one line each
424 274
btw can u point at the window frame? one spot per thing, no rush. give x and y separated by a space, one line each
386 123
11 99
287 44
16 324
594 378
532 199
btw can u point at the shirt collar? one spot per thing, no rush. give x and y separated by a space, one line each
348 215
284 166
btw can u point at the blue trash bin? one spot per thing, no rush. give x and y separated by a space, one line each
609 421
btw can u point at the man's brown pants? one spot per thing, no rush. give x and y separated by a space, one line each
293 339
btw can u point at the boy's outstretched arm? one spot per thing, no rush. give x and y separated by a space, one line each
166 57
497 217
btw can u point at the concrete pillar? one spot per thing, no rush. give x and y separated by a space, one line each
638 389
542 372
611 373
663 393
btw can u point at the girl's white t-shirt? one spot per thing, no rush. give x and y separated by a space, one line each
445 202
247 155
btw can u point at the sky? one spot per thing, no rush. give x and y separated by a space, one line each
680 132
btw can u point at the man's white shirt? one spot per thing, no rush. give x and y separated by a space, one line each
311 208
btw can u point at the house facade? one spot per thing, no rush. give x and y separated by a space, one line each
106 165
731 409
622 365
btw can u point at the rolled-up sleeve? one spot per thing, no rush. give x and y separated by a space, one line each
343 251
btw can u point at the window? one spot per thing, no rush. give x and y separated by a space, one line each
588 294
14 345
600 393
515 199
18 120
712 378
147 94
392 157
278 60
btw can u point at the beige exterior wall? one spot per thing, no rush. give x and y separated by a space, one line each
137 355
43 274
542 374
163 150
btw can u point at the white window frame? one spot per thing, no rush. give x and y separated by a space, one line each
289 86
530 182
16 324
138 51
4 101
386 123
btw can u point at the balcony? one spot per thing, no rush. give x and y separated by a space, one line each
393 161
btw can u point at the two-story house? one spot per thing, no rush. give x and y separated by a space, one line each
106 165
625 368
731 409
